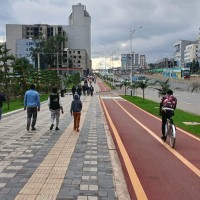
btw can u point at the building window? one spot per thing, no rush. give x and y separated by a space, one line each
79 52
79 56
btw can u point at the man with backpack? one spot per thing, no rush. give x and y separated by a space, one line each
55 105
167 106
2 98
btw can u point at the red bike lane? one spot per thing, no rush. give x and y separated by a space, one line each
163 173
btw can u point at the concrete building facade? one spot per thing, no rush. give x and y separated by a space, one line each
178 54
78 34
78 31
143 63
128 60
191 53
24 48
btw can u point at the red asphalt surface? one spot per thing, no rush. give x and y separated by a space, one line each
162 174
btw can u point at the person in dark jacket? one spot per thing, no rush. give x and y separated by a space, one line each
2 98
73 90
167 107
55 106
91 90
79 91
75 110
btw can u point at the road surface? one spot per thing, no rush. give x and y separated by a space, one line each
153 170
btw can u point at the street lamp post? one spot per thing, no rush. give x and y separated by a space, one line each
113 64
38 54
131 38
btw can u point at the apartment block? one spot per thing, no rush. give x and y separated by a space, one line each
191 53
78 34
178 55
128 60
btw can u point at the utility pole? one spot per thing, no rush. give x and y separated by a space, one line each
38 55
131 49
57 63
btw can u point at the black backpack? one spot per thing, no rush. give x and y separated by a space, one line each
54 102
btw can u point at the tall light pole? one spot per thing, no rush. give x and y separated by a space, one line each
131 49
113 64
38 54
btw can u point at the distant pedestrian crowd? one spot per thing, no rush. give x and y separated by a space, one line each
85 89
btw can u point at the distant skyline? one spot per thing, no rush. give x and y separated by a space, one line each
164 23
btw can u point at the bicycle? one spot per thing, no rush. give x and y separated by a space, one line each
170 129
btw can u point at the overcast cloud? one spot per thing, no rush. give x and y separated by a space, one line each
164 22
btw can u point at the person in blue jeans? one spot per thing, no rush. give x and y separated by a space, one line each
2 98
32 105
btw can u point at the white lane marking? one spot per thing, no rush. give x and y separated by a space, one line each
179 156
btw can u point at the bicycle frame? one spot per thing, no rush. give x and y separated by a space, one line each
170 130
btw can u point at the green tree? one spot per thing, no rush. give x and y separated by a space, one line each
126 84
48 51
164 87
143 85
48 79
197 67
22 69
37 51
5 69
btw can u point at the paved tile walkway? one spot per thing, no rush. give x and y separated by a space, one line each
62 164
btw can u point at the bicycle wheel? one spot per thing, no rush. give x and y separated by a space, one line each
166 131
172 135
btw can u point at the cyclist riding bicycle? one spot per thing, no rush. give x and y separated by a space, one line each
167 107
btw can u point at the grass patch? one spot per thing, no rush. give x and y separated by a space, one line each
17 104
179 117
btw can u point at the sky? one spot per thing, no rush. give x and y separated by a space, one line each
163 23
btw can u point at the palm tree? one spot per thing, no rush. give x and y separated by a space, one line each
143 85
126 83
164 87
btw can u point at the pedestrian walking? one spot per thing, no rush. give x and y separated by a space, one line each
79 91
91 90
75 110
32 105
73 90
55 106
2 99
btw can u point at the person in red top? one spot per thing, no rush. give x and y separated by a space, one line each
167 106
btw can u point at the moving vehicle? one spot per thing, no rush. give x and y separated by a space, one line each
138 78
177 72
